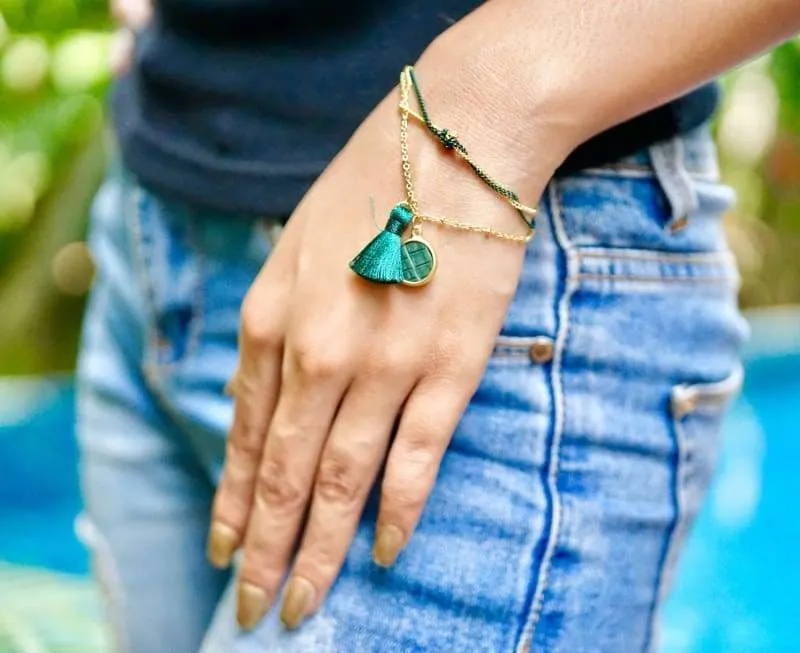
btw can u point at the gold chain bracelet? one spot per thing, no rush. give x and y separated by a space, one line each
411 200
485 231
388 258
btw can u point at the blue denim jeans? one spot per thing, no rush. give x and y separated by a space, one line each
569 484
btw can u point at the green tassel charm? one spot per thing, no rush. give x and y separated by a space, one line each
381 261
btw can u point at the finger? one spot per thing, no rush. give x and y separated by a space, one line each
310 394
253 407
429 420
255 388
348 466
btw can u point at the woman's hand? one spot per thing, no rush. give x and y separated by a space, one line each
331 366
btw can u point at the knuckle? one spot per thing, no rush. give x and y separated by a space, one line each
230 504
238 476
340 479
288 436
320 563
419 440
259 569
419 458
407 483
403 498
258 330
418 471
245 441
315 362
276 488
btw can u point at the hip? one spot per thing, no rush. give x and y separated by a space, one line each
582 457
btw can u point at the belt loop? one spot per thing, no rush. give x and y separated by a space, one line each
669 164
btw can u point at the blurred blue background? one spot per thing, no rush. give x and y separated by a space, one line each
739 579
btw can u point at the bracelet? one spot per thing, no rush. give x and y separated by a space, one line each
449 141
388 259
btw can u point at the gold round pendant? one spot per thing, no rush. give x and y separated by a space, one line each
419 261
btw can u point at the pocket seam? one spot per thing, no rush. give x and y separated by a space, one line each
586 276
689 398
720 259
690 268
727 389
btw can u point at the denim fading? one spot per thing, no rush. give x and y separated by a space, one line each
569 485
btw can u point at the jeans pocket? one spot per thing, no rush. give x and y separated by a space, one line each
697 410
704 398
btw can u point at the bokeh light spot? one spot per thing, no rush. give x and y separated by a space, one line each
81 61
25 64
73 269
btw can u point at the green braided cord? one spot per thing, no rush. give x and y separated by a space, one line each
450 142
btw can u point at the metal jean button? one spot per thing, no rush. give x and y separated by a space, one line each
541 351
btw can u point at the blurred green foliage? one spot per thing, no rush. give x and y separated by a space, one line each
54 74
759 138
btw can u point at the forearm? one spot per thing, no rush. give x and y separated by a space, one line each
572 68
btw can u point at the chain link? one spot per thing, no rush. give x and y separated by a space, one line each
404 156
486 231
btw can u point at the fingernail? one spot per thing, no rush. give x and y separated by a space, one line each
388 543
251 606
222 544
299 598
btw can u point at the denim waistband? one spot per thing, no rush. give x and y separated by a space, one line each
695 152
677 163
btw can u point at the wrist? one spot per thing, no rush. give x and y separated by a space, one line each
517 129
446 187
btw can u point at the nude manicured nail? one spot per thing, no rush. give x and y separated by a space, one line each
251 605
299 599
222 544
388 543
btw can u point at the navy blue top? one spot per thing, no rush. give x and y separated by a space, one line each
238 105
